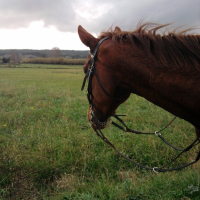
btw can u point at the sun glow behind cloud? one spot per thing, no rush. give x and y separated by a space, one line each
36 36
88 11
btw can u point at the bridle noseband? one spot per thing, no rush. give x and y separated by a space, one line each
94 120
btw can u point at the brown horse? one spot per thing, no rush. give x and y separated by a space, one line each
164 69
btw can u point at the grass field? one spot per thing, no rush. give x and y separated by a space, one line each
49 151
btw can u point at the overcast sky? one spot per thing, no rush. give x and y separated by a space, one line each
44 24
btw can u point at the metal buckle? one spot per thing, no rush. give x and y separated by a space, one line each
91 55
155 170
157 133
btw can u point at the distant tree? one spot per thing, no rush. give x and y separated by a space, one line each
55 52
68 57
5 60
44 55
15 57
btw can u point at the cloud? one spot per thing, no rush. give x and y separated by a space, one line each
96 15
20 13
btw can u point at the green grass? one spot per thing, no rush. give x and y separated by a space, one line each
49 151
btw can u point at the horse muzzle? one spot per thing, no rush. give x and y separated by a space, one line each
94 121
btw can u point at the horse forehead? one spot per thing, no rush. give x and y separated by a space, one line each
109 53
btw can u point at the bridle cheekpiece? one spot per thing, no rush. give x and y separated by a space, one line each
89 74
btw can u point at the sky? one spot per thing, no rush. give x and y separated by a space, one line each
44 24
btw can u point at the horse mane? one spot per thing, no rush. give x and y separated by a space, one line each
175 46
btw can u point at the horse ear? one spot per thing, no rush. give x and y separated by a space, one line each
117 29
86 38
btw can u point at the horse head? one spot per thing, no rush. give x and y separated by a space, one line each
105 90
162 69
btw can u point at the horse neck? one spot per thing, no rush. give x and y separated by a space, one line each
138 75
165 86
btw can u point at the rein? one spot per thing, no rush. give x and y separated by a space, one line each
97 122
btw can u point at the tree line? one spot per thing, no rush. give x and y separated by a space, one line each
53 56
44 53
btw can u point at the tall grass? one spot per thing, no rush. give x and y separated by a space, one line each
61 61
49 151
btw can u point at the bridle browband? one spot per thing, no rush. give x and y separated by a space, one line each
89 74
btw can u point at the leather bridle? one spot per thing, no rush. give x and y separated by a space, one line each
97 123
89 74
